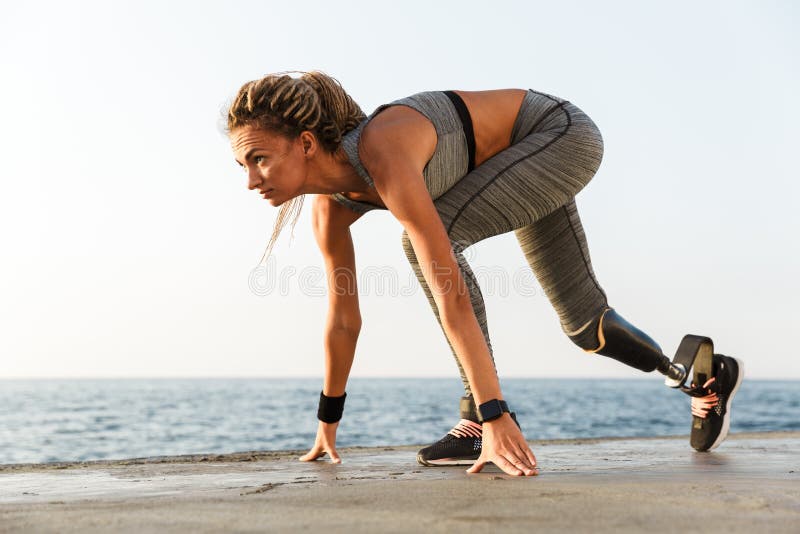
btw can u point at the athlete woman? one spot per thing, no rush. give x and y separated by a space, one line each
454 168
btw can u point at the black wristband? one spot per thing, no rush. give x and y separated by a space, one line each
493 409
330 408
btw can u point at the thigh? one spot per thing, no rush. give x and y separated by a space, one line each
558 254
533 177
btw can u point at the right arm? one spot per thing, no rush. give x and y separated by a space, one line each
331 222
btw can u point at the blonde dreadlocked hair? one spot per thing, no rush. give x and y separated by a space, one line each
285 105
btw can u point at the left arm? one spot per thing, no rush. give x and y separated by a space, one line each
392 157
414 209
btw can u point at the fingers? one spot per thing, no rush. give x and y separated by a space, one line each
523 464
528 454
477 466
324 444
517 465
318 452
514 467
312 455
507 466
521 457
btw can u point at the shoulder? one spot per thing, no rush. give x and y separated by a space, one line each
394 148
397 132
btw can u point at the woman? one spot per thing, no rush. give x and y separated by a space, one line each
454 168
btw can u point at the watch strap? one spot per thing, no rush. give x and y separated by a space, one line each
492 409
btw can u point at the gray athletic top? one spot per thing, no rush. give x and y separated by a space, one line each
449 162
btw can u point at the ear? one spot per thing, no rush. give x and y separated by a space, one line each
309 143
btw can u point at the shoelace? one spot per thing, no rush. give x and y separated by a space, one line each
702 405
466 429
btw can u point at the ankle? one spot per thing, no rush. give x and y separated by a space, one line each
468 409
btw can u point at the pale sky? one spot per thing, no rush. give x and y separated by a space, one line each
128 235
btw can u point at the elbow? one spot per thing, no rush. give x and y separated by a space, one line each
454 309
350 327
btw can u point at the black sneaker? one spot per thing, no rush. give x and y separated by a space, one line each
711 402
460 446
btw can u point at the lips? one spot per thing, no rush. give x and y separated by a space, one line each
267 193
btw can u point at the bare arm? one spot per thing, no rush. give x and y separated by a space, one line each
397 172
395 147
331 222
440 269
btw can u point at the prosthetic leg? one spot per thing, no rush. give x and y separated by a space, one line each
620 340
716 377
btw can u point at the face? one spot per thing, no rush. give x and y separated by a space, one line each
275 165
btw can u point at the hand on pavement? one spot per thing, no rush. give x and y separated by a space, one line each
505 446
325 443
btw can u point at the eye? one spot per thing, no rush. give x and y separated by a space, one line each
259 159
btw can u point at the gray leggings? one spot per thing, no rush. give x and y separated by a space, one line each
530 188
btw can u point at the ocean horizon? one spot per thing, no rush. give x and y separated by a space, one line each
57 420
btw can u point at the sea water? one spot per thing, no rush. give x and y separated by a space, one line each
71 420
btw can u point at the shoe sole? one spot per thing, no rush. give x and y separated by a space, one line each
726 421
444 461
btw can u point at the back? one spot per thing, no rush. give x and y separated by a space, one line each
450 160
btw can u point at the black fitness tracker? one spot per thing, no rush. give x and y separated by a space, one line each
330 408
493 409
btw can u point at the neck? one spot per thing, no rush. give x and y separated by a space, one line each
333 173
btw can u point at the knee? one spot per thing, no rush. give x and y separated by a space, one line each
588 337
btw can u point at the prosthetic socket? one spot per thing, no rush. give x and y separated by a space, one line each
625 343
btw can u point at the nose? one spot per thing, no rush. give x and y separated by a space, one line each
253 179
